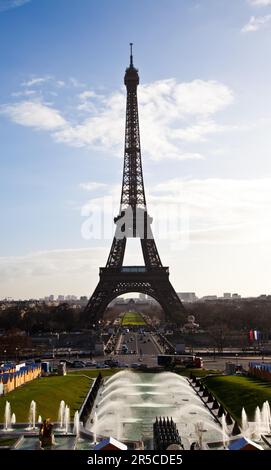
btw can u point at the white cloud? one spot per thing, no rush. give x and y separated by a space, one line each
203 211
24 93
256 23
85 95
8 4
171 114
46 263
57 271
34 114
198 132
87 101
76 83
224 217
199 97
36 81
219 210
260 3
174 117
92 186
60 83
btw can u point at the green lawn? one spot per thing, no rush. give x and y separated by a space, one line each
236 392
198 372
94 372
49 391
133 319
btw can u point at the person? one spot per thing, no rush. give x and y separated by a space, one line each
46 435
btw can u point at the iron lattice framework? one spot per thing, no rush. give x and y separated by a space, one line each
133 221
165 433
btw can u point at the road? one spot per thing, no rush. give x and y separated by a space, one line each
219 363
141 348
140 344
150 358
147 349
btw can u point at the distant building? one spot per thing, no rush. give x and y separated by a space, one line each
227 295
209 297
70 298
151 301
61 298
143 297
236 296
187 296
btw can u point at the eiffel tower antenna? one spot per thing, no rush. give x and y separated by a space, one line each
133 221
131 54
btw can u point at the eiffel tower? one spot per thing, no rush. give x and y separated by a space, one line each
134 221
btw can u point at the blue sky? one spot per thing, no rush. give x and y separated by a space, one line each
204 104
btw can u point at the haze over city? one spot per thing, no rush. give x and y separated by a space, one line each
205 139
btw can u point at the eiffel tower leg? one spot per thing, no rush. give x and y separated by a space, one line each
169 301
98 302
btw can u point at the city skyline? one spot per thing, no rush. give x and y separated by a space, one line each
204 104
184 296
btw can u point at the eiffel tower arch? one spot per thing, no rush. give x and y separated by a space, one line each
134 221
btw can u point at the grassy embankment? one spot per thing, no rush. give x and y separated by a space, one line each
235 392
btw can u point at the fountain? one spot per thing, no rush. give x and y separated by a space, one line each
129 402
94 428
257 425
13 418
32 415
266 418
199 433
76 424
261 424
225 432
7 417
67 420
61 414
119 428
244 423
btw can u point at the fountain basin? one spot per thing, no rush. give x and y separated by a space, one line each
31 442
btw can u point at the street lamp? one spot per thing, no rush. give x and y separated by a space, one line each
236 356
53 359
